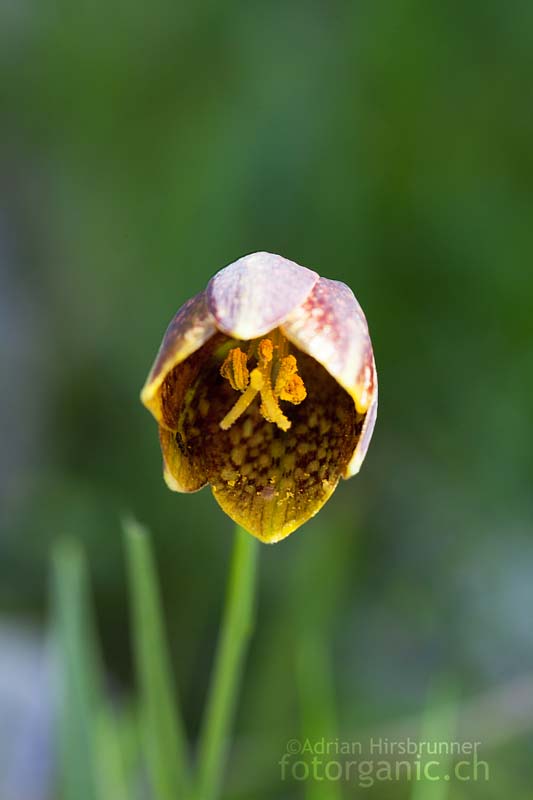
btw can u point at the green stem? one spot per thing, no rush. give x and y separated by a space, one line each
231 651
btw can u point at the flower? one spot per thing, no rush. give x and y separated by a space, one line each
265 387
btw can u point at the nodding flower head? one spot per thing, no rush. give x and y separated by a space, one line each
265 387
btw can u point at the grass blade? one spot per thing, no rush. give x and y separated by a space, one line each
92 767
235 632
112 774
77 687
438 725
317 703
162 730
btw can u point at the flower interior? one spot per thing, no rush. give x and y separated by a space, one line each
264 423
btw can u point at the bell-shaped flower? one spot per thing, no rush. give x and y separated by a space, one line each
265 388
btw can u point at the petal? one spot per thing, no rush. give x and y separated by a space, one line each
190 328
256 293
330 326
179 472
364 439
184 407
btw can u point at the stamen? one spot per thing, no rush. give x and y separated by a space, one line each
265 350
294 391
244 401
288 385
271 410
234 369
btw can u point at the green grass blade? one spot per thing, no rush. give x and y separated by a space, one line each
92 766
235 632
76 672
438 725
317 704
162 730
112 777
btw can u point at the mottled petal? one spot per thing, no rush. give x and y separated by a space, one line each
330 326
190 328
255 294
184 411
180 472
364 440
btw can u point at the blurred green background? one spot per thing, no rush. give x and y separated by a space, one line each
385 145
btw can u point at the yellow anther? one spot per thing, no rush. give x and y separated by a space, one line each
288 386
265 350
234 369
294 390
287 367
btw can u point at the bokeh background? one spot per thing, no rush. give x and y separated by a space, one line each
388 146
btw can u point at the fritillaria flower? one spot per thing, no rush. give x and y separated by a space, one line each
265 388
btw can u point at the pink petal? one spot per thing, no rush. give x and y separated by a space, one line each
330 326
256 293
190 328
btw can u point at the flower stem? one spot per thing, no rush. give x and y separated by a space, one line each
234 636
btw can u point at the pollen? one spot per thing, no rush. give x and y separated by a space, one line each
234 369
289 386
274 378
